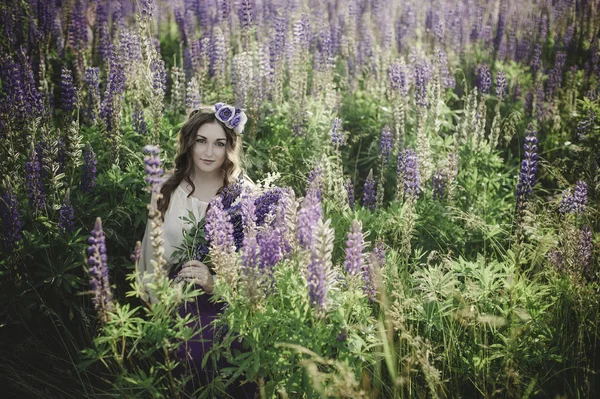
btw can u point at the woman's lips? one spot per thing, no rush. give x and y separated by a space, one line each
207 161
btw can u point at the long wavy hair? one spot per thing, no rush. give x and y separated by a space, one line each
184 164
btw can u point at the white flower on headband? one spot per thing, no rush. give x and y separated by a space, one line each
233 117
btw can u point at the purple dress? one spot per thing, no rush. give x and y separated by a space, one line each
192 353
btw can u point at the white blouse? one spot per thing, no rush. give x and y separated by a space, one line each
172 230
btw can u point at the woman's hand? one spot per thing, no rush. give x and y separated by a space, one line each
197 272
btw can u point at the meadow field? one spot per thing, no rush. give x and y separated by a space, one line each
425 222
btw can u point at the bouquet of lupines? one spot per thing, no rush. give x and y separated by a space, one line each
196 243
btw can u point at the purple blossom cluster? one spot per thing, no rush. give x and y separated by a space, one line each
139 122
501 85
68 91
407 172
586 126
355 246
385 144
484 79
10 221
337 137
317 283
574 203
369 195
309 214
154 170
88 180
349 186
218 228
33 183
92 81
98 271
398 79
66 216
372 268
529 166
440 179
421 75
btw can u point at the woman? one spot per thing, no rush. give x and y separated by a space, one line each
208 159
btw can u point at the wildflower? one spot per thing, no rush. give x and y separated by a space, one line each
66 215
372 268
350 191
153 163
369 192
586 126
98 263
33 182
439 184
536 59
421 78
137 252
218 228
308 216
528 167
89 170
501 85
354 249
407 171
484 79
337 138
320 263
398 79
10 221
92 81
385 144
574 203
192 96
139 122
68 92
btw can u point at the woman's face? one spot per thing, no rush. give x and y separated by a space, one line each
210 149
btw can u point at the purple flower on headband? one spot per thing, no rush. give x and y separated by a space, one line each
225 113
235 120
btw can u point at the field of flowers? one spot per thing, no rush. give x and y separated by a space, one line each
426 221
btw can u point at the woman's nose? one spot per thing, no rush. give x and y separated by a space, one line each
209 150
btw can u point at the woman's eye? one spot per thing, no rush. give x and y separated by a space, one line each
220 144
200 141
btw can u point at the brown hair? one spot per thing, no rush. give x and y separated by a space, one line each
184 165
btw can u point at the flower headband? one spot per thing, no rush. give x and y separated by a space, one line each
233 117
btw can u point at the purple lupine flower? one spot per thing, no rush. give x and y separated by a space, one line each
349 186
501 85
586 126
421 78
250 253
315 180
10 222
369 192
337 137
35 188
98 263
88 180
574 203
528 166
159 77
147 7
246 13
439 184
484 79
355 246
585 251
267 203
154 170
555 76
308 216
317 285
407 171
536 59
248 212
385 144
501 26
398 79
92 81
68 91
271 249
137 252
139 122
218 228
66 215
77 29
